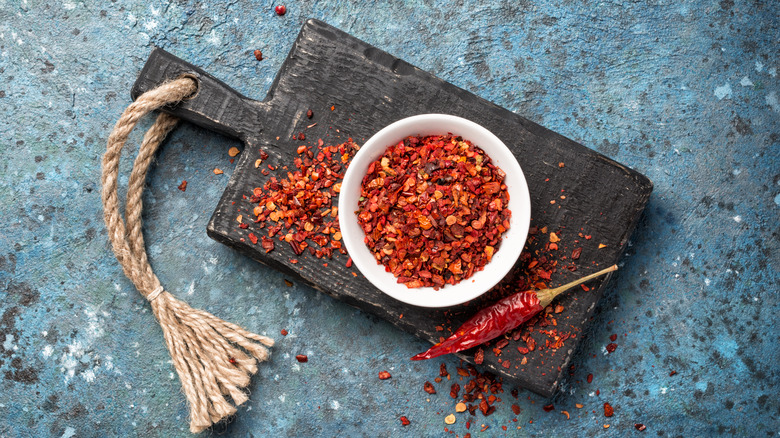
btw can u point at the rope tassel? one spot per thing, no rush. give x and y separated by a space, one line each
214 358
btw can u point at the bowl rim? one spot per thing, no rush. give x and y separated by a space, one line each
513 240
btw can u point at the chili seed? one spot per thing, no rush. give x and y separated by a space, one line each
460 407
450 419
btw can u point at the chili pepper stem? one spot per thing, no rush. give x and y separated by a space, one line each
547 295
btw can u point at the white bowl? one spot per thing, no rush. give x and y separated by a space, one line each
513 240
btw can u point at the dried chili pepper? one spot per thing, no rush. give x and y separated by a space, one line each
499 318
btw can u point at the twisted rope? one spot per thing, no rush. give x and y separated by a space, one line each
209 354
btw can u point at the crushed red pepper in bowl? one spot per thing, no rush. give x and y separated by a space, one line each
433 212
433 209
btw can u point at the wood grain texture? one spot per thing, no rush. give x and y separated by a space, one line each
371 89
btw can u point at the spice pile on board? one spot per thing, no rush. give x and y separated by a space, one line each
433 209
302 203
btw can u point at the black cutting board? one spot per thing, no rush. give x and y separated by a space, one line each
369 89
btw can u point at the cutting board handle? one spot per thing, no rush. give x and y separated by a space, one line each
215 106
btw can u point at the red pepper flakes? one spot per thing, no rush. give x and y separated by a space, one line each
462 372
243 226
428 387
232 360
454 390
405 421
433 210
671 373
576 253
309 114
280 10
639 426
302 358
384 375
613 337
608 410
258 55
299 207
183 185
548 408
443 371
516 409
590 378
284 332
611 347
253 238
479 356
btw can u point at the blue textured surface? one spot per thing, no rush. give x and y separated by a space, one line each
685 92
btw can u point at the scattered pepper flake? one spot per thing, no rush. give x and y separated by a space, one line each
384 375
576 253
309 114
566 413
405 421
302 358
233 151
258 55
284 332
611 347
613 337
579 405
183 185
554 238
590 378
428 387
217 171
601 245
561 164
639 426
253 238
280 10
608 410
479 356
548 408
516 409
671 373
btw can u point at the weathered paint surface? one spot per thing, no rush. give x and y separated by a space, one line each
685 92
